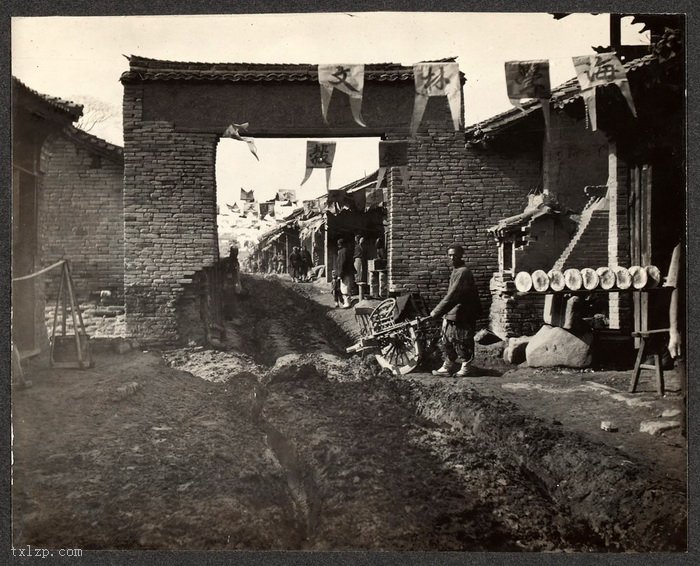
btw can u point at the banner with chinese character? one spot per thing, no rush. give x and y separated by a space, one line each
248 196
349 79
233 132
287 194
529 79
597 70
319 155
234 208
436 79
391 154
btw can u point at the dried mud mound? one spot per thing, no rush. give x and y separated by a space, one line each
606 497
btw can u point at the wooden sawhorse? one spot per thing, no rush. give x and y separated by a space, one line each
649 338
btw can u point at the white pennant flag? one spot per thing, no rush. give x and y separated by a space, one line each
436 79
349 79
233 132
597 70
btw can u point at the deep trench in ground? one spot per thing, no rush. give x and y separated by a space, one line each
376 462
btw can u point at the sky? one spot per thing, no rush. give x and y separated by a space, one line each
73 57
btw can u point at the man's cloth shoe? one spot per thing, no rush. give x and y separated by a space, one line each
445 370
464 371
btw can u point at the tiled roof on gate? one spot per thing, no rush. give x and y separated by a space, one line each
95 144
145 69
74 110
564 94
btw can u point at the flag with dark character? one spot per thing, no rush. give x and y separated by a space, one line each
597 70
529 79
319 155
247 196
391 154
233 132
349 79
266 208
436 79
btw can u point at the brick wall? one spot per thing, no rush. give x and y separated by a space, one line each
80 216
455 193
574 158
170 227
512 315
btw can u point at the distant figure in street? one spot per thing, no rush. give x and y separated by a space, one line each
335 289
460 308
346 272
295 264
234 268
359 257
306 264
233 265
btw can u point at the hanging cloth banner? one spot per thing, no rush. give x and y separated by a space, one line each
319 155
234 208
529 79
266 208
335 201
349 79
311 207
391 154
359 199
597 70
233 132
436 79
248 196
287 194
250 208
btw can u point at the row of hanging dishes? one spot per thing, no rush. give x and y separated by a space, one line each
606 278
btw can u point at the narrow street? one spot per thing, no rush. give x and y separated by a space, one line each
284 442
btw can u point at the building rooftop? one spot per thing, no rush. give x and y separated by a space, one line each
95 144
145 69
72 109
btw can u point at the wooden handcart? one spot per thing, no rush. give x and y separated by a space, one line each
396 331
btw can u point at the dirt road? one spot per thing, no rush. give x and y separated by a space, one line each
281 442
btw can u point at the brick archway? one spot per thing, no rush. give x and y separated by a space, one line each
174 114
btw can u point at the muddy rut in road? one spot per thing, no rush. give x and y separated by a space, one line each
382 463
283 442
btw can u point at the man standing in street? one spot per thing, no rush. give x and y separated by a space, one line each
346 272
459 308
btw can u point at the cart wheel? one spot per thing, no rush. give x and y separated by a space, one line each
401 351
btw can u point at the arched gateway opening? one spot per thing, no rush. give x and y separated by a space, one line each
174 115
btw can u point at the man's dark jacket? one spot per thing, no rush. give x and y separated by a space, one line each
461 303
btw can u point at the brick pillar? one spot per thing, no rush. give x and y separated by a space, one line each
618 232
170 229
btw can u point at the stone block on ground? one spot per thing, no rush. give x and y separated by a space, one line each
514 352
553 346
